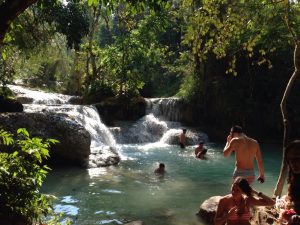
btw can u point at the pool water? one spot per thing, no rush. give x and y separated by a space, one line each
131 191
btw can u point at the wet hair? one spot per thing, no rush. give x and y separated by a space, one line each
243 185
161 165
237 129
201 142
184 130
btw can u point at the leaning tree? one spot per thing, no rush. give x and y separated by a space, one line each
291 9
217 28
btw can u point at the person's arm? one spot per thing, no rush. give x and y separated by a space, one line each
260 164
221 214
260 199
230 145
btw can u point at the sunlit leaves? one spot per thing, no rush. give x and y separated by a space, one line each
22 175
92 2
6 137
225 29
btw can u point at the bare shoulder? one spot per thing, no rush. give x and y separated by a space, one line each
226 198
252 141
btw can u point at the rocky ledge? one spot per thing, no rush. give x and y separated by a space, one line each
261 215
74 140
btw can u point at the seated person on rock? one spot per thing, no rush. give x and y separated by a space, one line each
234 209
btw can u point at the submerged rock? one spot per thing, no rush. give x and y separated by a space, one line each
103 156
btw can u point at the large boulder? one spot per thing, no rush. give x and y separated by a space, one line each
10 105
74 146
208 209
112 109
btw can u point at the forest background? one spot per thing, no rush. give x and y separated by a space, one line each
229 60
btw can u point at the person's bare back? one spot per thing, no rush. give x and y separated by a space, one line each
246 150
182 138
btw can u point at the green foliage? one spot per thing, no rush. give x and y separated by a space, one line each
130 55
70 19
22 175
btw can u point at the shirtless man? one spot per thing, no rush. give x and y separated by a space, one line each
246 150
182 139
200 151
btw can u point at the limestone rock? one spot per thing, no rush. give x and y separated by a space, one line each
115 109
208 209
264 216
74 146
10 105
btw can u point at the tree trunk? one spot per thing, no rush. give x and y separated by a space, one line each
9 10
91 57
286 123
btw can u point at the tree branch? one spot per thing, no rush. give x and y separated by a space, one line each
9 10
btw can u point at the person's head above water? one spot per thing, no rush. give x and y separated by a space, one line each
161 165
160 169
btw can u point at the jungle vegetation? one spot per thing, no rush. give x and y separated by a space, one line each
230 60
236 62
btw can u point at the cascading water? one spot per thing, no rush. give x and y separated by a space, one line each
148 129
159 125
165 108
103 144
87 116
39 97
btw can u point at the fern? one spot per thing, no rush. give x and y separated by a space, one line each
6 138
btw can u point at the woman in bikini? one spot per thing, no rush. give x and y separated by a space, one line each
234 209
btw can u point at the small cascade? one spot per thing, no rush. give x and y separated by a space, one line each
159 125
193 137
103 144
87 116
148 129
39 97
165 108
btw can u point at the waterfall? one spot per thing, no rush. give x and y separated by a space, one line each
160 125
87 116
148 129
166 108
39 97
103 144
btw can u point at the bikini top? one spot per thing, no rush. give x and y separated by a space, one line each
245 215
